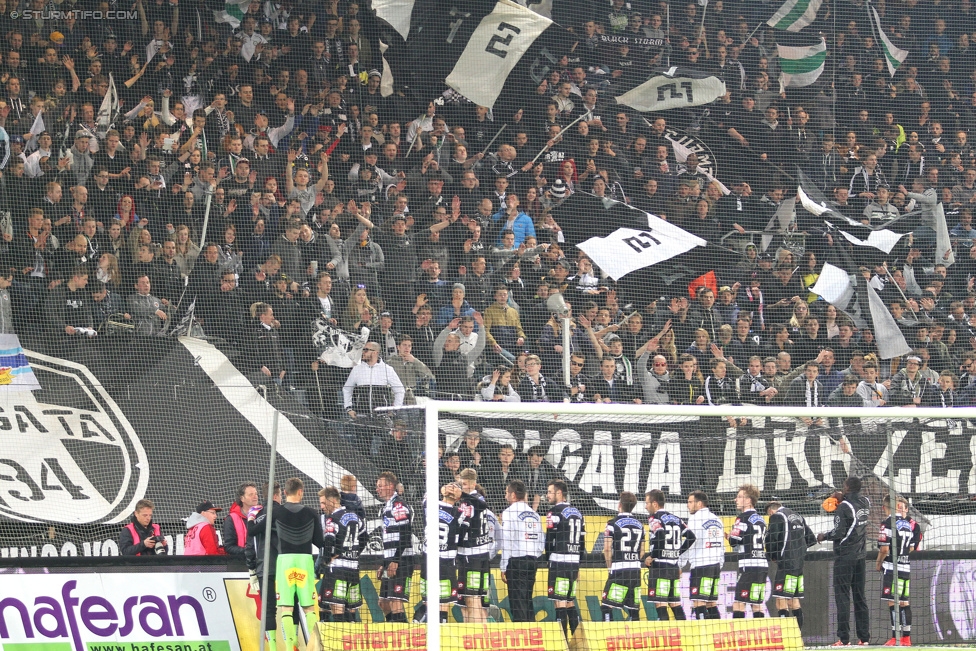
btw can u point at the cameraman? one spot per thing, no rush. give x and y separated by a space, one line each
141 537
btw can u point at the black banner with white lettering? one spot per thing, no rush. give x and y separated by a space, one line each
781 457
630 40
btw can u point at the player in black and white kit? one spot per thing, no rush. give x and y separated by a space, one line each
787 539
338 563
907 536
669 538
565 533
395 572
706 557
623 547
448 532
748 537
474 548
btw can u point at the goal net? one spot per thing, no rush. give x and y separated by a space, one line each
798 458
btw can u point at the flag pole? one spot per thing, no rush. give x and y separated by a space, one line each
907 304
416 136
701 28
667 49
546 148
485 151
753 32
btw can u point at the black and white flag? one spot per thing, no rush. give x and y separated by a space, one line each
496 46
628 249
861 302
336 346
629 244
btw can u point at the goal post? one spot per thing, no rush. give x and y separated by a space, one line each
794 455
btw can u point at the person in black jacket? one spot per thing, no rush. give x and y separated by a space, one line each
685 388
266 359
808 391
849 536
226 318
787 539
606 388
141 536
254 555
67 312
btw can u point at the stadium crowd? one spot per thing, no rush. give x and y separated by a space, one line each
258 185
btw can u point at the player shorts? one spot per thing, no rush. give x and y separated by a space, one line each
704 583
788 583
472 576
622 589
750 586
397 587
563 580
340 586
448 582
901 593
662 584
295 579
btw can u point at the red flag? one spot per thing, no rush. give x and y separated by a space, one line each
706 280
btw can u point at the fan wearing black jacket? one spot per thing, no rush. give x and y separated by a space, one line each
849 535
685 388
266 359
787 539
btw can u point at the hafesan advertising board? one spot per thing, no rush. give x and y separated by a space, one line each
116 612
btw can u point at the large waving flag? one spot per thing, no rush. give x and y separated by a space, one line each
628 249
794 15
801 66
489 51
630 245
498 44
894 56
15 371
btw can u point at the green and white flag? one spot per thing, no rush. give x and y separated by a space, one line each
894 56
801 66
232 13
794 15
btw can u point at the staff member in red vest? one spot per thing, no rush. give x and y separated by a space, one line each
234 529
141 537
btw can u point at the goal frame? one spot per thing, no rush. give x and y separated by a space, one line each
433 409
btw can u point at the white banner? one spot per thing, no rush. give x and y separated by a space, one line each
664 92
117 612
629 249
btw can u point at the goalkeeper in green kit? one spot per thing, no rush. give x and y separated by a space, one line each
298 528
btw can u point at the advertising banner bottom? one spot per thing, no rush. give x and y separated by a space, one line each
768 634
454 637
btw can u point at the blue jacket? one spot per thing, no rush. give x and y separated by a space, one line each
522 226
446 314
